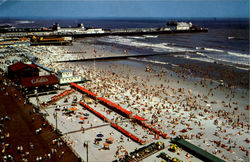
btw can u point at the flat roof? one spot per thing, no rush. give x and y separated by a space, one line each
200 152
19 65
64 71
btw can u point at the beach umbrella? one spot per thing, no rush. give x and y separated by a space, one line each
73 109
99 135
99 139
86 114
110 140
106 145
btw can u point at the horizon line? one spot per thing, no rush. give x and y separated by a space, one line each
114 17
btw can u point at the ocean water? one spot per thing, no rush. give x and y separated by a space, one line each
226 42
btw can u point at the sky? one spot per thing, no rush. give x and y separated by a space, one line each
124 8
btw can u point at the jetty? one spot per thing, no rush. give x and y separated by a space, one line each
119 57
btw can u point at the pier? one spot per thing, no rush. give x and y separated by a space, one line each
106 33
81 31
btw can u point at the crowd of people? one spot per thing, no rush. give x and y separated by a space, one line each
201 110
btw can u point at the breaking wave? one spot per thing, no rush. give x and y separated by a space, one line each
239 54
150 36
213 49
24 22
202 59
237 38
160 47
149 61
135 37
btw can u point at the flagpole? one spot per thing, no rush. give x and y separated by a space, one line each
86 144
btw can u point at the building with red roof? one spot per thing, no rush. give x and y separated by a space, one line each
27 75
20 70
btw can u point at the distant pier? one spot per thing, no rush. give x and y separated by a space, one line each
81 31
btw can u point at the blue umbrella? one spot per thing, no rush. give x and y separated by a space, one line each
99 135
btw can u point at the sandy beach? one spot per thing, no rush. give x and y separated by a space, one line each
212 116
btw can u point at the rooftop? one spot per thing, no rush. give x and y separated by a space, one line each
19 66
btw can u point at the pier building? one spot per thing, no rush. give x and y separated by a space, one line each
67 76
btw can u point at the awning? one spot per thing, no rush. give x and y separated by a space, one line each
139 118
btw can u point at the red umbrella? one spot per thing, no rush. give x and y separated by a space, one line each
73 109
111 139
106 144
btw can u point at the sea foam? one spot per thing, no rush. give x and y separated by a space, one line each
239 54
159 47
213 49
